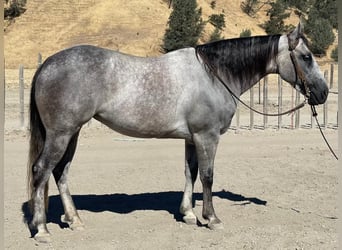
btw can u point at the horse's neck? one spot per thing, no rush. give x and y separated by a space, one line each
241 62
255 67
249 83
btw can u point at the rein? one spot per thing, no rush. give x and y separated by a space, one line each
314 114
299 106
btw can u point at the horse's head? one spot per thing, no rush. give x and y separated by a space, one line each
297 66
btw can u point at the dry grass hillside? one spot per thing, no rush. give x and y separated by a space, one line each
135 26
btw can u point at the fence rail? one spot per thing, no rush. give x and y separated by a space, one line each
286 94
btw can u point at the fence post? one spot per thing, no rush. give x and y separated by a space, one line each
325 105
237 115
311 120
39 60
297 118
331 76
259 101
292 100
265 101
21 95
251 104
280 101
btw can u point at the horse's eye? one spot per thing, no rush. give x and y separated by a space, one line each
307 58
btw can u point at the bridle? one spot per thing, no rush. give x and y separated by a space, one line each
298 71
300 74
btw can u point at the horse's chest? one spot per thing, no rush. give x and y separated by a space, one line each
226 114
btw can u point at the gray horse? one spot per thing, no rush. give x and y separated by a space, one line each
188 94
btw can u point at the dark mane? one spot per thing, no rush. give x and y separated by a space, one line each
240 58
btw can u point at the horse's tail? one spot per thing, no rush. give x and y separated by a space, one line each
37 139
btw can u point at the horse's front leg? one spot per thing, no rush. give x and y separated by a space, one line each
206 145
191 171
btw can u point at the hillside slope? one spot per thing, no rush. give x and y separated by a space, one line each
135 26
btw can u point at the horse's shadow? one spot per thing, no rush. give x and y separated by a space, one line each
127 203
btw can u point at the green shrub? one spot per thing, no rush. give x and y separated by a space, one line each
15 9
246 33
321 35
217 21
185 25
215 36
213 4
275 25
250 7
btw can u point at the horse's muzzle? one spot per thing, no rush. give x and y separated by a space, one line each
318 95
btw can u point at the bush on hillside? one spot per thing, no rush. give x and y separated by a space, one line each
320 32
327 9
215 36
246 33
250 7
276 25
213 4
15 8
217 21
185 26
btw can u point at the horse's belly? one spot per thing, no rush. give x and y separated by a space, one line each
145 123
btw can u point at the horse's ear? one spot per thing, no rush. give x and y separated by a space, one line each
293 37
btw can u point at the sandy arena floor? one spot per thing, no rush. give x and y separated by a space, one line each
272 190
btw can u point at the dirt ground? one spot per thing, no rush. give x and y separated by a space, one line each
272 190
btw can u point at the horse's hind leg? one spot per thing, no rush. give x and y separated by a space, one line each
191 171
60 173
54 147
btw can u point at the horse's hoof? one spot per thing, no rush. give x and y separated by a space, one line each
190 219
214 225
64 219
43 237
75 224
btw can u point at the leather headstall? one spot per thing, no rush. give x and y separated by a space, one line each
299 72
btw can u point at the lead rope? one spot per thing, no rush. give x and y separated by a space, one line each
299 106
313 109
300 74
314 114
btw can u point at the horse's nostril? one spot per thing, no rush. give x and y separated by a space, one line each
318 96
